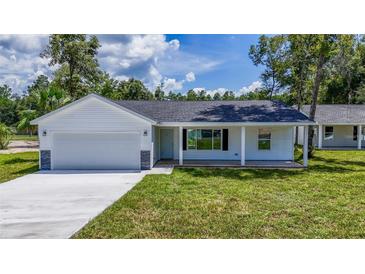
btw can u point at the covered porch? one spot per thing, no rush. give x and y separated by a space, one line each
253 146
231 164
334 136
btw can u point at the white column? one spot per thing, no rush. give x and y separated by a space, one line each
359 136
305 146
320 136
243 146
180 146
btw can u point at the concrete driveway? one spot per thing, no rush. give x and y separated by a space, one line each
57 204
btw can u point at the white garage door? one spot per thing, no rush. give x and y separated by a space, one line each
96 151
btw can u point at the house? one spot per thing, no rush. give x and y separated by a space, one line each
96 133
339 126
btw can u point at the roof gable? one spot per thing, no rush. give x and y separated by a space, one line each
88 97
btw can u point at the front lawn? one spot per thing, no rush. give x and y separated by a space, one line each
17 164
325 201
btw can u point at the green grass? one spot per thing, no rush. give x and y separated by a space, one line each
325 201
17 164
24 138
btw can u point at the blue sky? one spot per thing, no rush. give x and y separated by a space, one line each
180 62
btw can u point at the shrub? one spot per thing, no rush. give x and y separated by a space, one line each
5 136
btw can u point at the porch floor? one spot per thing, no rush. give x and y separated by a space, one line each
229 163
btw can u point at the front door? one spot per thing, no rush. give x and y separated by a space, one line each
166 143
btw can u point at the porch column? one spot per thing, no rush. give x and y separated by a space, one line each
359 137
320 136
305 146
180 146
243 145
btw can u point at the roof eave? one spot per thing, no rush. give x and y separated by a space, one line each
197 123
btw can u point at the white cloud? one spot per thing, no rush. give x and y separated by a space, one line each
135 56
255 86
20 63
150 58
170 84
190 77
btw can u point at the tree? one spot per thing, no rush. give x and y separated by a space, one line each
271 53
41 82
159 93
107 86
5 92
132 89
76 56
5 136
300 62
191 95
217 96
49 99
202 95
25 117
228 96
8 106
323 52
347 62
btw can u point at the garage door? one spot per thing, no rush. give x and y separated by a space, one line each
96 151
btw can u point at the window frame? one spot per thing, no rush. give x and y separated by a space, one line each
264 139
329 137
196 139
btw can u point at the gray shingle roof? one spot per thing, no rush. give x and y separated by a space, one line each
338 113
215 111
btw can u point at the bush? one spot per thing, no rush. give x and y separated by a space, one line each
5 136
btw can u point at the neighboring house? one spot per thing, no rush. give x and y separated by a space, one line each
97 133
339 126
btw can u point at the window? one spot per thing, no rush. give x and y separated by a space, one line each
354 133
217 139
191 138
328 133
264 140
204 139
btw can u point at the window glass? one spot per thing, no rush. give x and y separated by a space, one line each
328 133
204 140
354 133
217 139
191 138
264 139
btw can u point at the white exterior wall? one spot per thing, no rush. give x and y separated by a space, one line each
93 115
282 145
342 136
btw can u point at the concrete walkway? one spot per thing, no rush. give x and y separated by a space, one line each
21 146
57 204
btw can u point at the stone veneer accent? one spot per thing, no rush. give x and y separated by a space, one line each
145 159
45 159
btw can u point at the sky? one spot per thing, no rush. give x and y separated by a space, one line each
181 62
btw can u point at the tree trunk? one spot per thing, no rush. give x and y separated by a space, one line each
350 90
299 104
315 91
